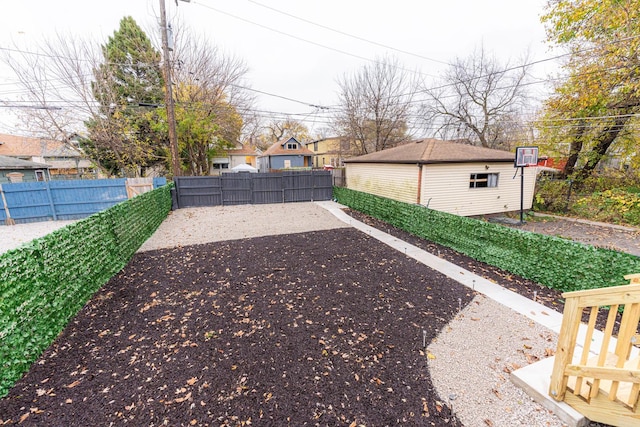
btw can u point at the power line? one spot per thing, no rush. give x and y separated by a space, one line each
303 39
348 35
280 96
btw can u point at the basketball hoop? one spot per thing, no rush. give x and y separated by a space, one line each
526 156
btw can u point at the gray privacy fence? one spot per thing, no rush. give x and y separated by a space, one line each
252 188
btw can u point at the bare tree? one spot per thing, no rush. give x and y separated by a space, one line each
55 86
216 78
477 99
286 128
375 105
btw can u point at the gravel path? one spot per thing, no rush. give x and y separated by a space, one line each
191 226
472 358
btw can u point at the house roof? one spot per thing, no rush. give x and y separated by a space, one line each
19 146
242 151
278 149
428 151
13 163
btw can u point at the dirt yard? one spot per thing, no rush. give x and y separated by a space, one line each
316 328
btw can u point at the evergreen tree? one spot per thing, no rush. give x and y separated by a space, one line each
127 85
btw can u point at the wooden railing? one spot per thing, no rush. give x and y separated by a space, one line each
603 382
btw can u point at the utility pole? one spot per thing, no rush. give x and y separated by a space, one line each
168 95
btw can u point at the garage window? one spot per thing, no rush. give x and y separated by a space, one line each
483 180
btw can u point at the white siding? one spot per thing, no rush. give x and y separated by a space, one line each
445 187
394 181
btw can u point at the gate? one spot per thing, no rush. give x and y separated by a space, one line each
253 188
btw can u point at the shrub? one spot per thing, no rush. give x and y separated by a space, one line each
43 284
614 206
551 195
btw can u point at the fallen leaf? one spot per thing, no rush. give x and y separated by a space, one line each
73 384
182 399
497 393
23 418
488 422
192 381
431 356
425 409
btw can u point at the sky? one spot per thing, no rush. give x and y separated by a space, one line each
296 50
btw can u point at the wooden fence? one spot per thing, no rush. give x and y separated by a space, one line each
65 200
253 188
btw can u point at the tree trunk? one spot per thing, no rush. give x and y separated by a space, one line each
574 150
602 144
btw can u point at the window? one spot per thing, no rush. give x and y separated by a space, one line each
315 146
40 175
292 146
483 180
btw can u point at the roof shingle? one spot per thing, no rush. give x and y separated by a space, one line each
13 163
278 149
434 151
16 146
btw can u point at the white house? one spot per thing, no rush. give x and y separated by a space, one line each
446 176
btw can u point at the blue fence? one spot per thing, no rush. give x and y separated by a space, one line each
62 200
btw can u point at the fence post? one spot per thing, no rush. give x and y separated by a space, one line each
8 220
53 207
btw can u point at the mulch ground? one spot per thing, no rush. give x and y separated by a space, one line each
548 297
322 328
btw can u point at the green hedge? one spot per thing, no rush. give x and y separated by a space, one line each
551 261
45 283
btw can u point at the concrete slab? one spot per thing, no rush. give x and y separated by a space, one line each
534 379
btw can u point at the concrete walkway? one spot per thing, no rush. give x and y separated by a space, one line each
535 378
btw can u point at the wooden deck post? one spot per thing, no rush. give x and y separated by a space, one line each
566 345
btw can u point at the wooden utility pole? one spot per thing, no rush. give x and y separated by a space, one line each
168 94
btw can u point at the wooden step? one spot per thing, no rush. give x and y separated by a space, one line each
626 378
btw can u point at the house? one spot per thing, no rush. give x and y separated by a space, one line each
285 154
330 151
64 160
18 170
446 176
233 157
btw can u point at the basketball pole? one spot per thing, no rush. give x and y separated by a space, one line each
521 195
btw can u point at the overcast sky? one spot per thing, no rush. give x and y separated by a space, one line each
287 45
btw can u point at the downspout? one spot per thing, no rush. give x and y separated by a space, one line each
419 183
